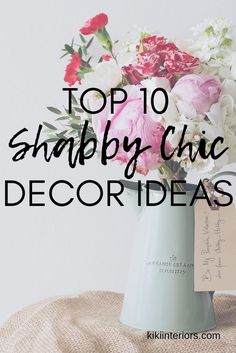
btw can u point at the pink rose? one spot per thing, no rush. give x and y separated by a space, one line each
129 120
200 90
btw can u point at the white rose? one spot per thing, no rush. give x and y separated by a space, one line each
106 75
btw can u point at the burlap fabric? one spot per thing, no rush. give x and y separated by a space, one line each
89 323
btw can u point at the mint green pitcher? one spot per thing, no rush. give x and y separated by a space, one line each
160 289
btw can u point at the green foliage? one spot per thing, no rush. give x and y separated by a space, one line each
82 38
54 110
49 126
67 124
89 42
69 49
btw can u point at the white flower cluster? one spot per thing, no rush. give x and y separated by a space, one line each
222 116
215 45
125 48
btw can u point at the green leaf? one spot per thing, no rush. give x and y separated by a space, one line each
76 117
62 134
61 57
69 49
79 110
227 42
72 132
144 35
54 110
89 42
49 126
74 101
209 30
62 118
85 70
82 38
70 115
89 135
84 50
88 152
88 61
53 139
76 126
80 52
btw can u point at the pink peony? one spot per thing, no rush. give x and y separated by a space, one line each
129 120
200 90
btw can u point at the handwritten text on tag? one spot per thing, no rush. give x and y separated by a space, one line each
215 247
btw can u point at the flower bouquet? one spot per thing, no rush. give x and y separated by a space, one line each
174 102
198 78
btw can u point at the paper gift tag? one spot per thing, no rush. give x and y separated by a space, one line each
215 247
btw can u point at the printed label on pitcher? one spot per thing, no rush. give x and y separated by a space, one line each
215 248
171 265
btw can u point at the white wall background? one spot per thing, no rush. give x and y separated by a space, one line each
51 251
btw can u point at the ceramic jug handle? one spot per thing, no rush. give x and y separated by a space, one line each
221 174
